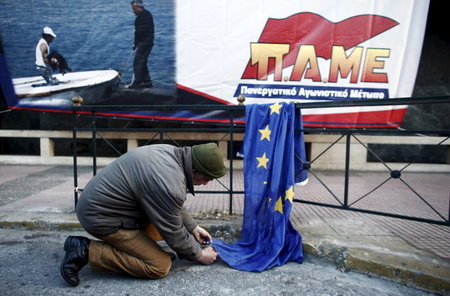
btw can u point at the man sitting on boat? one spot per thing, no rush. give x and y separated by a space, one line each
43 63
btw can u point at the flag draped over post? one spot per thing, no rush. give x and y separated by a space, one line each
268 238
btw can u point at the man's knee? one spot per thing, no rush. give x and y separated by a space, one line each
160 269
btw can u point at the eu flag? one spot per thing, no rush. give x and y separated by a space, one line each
273 157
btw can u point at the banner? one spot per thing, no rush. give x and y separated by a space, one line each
303 51
271 169
212 52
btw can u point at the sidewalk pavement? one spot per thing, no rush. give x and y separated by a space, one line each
413 253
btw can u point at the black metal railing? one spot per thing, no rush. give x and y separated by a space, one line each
340 200
228 129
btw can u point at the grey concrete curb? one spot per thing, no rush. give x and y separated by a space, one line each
37 220
420 269
404 264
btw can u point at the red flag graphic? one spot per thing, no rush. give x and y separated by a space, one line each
311 29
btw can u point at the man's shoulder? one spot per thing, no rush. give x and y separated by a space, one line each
146 13
156 150
160 147
43 46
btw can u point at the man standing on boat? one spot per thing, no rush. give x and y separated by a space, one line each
43 64
143 44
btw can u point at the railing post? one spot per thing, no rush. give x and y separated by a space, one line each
74 153
76 102
231 153
347 169
448 217
94 143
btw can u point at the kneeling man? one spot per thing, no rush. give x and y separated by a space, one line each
147 185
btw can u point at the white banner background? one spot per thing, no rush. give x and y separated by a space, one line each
213 41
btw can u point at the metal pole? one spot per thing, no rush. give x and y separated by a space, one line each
74 153
94 144
448 217
347 169
231 162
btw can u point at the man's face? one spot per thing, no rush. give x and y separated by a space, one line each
49 38
199 178
136 9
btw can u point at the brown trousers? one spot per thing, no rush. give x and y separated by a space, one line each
129 251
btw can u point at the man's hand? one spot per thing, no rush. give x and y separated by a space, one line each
202 236
209 255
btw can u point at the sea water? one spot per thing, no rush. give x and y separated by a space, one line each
91 35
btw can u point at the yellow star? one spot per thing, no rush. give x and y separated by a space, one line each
265 133
279 205
275 108
290 194
262 161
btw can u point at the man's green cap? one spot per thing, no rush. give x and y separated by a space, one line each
208 159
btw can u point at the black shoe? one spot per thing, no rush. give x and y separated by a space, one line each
77 256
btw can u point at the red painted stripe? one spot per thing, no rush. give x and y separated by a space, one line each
191 90
372 119
131 115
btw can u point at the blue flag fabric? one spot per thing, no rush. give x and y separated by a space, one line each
271 170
